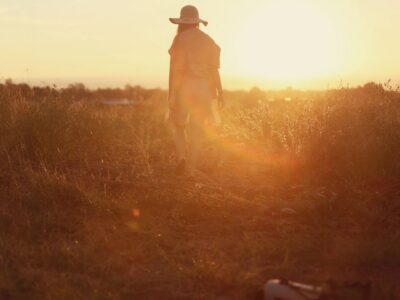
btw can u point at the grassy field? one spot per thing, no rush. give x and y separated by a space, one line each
303 189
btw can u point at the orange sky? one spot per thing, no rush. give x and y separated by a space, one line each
272 44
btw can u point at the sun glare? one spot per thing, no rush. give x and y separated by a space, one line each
286 41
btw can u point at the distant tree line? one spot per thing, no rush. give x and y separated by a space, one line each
79 92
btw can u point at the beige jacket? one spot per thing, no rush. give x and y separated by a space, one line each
195 53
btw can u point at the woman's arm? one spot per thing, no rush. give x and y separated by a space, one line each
216 78
175 79
170 84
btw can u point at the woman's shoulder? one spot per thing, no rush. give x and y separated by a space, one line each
211 42
206 38
192 38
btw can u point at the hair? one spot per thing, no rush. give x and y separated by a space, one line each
184 27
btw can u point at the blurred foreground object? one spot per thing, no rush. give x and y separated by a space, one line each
279 289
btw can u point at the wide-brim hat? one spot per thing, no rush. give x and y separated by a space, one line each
189 15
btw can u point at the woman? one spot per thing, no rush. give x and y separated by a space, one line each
194 82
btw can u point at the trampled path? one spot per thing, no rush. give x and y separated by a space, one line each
221 235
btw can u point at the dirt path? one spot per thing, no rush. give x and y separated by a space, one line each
213 237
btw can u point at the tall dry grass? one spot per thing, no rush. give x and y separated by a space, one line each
90 207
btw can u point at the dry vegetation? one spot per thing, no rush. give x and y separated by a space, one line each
91 209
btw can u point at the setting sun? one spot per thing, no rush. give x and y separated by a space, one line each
288 42
270 44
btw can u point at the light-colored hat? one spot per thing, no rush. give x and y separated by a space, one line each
189 15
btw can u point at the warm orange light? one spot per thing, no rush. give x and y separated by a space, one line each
136 213
285 40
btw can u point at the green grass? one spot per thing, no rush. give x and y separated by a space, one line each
91 209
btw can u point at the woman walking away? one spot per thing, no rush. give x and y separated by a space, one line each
194 83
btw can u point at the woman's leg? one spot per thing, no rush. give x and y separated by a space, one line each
197 102
178 117
180 142
197 129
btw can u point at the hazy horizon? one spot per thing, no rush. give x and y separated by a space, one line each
306 44
94 83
